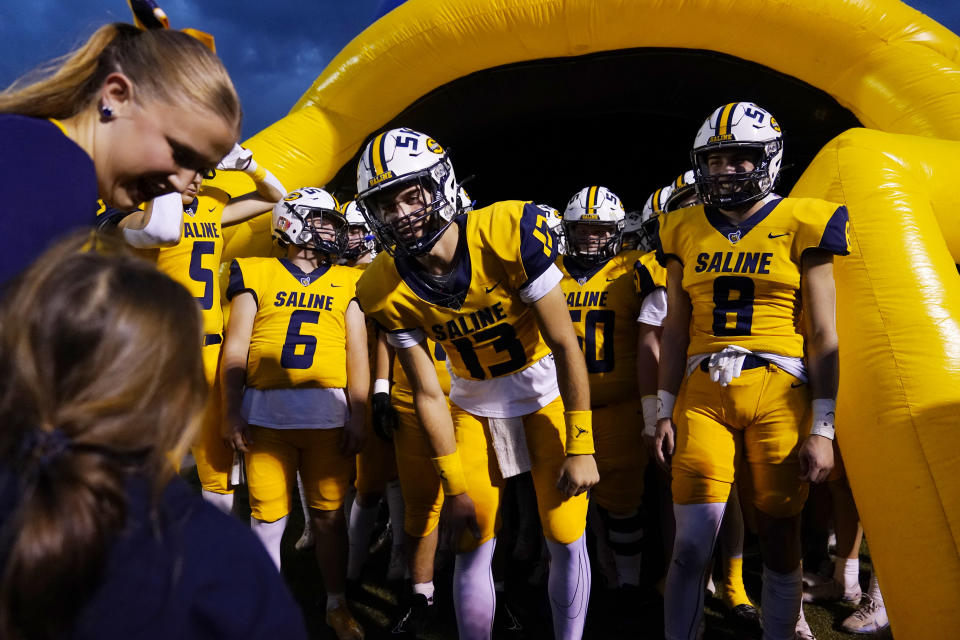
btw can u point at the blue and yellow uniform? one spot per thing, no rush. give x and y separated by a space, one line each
604 302
744 287
489 334
195 263
419 482
297 348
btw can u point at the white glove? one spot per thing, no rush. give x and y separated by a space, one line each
238 159
725 365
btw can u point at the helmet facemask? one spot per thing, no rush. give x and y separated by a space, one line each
594 248
323 230
741 188
426 210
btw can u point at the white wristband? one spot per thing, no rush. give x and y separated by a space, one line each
649 404
380 385
665 402
824 410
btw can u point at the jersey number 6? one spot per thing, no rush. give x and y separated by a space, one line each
289 359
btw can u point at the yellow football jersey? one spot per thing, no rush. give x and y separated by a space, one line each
604 303
299 335
484 327
195 261
744 280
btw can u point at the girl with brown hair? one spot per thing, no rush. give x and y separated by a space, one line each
101 386
128 116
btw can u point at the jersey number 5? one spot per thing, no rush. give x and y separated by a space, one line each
289 358
202 275
726 303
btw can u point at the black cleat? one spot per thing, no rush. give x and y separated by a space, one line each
419 618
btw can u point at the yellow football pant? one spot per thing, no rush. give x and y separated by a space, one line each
563 519
214 458
764 414
621 456
419 482
376 463
276 455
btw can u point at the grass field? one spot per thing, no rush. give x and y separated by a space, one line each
378 603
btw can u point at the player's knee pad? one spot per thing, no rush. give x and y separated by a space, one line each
624 530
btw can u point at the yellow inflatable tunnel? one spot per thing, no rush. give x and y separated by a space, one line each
539 97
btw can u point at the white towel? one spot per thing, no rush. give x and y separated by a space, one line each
510 445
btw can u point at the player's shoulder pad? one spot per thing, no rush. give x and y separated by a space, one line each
377 282
821 224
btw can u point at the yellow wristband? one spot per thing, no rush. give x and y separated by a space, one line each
579 432
258 174
450 470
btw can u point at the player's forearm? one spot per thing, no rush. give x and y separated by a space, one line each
382 361
233 378
572 377
673 354
648 358
434 415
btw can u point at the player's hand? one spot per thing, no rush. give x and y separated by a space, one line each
352 439
816 458
664 440
384 416
578 473
458 514
237 159
237 434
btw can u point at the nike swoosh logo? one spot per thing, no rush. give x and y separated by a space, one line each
612 279
211 209
794 385
494 286
334 286
779 235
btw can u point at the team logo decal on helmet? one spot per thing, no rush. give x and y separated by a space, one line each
742 129
407 190
309 218
593 225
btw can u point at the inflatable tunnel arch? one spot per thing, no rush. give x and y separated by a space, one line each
538 97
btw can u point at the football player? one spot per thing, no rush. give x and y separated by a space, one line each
194 262
749 384
605 290
484 286
683 192
640 224
295 381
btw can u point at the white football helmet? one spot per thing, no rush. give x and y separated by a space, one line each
684 192
596 207
360 239
739 127
464 203
391 163
652 208
310 218
555 224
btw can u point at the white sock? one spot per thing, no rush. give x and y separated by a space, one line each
270 534
697 527
362 522
874 590
222 501
569 587
396 509
782 593
425 589
625 533
334 600
474 598
846 571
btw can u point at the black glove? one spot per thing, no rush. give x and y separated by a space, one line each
384 416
